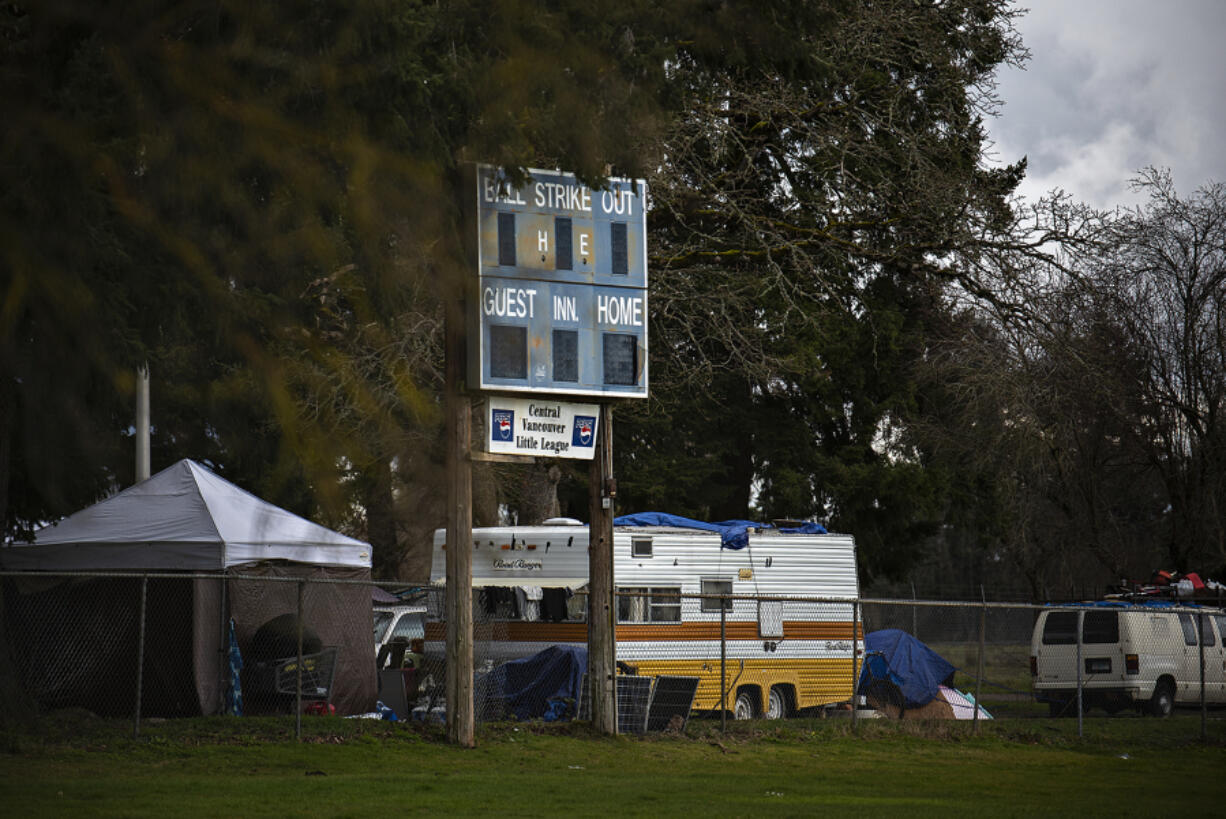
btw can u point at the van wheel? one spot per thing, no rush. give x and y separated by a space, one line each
1162 703
746 706
777 705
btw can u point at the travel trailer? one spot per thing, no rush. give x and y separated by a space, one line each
782 653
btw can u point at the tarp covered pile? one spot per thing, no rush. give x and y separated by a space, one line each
904 679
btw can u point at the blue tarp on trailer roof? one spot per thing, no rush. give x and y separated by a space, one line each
734 534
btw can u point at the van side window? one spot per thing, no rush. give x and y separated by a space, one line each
1189 629
1220 619
1060 628
1101 627
1206 629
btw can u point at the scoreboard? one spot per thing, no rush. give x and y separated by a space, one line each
561 304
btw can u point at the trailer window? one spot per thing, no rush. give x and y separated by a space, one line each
640 547
1060 628
640 604
716 587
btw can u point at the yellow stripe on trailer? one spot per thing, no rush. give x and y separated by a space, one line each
806 683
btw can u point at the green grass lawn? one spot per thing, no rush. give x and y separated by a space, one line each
217 766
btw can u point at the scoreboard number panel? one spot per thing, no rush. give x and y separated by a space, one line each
562 286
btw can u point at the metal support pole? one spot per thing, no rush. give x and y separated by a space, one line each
1081 616
223 647
723 667
914 613
140 655
298 681
855 666
983 629
1200 639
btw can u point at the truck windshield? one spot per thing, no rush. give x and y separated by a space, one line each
381 618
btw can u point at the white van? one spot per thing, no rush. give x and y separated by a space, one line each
1143 656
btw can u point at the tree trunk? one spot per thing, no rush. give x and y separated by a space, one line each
381 518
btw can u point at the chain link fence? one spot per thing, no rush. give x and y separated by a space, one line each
289 642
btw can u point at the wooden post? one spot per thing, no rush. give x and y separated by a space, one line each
601 622
459 609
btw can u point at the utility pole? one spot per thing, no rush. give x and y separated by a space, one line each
602 613
459 609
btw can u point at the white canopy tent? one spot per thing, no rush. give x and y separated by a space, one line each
184 518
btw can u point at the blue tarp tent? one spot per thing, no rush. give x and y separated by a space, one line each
894 657
734 534
524 687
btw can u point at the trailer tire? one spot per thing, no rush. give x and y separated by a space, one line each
777 703
746 706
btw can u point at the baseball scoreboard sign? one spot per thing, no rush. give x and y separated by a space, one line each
561 305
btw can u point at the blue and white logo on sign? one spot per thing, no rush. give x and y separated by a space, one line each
502 427
584 431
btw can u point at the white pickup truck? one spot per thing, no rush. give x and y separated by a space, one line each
392 621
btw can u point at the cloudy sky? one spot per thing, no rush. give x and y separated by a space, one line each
1113 86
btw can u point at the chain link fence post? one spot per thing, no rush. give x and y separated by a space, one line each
855 669
140 655
1200 640
298 670
983 633
723 666
1081 616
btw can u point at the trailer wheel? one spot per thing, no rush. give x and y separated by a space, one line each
777 705
746 706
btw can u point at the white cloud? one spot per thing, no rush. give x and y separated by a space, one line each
1114 86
